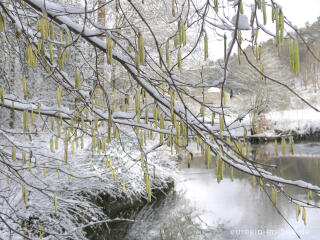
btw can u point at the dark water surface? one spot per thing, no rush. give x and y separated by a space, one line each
201 208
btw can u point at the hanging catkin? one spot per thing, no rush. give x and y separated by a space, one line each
283 145
281 25
2 95
55 202
24 85
141 47
291 55
298 210
13 154
216 5
179 60
167 54
296 58
206 52
59 98
173 10
109 49
264 12
24 195
304 216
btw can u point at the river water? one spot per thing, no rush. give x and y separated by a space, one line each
201 208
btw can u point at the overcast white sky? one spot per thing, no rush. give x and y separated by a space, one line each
301 11
297 11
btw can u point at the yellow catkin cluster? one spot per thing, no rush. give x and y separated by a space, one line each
262 71
69 175
78 80
179 60
216 5
258 52
304 216
202 110
23 157
219 168
51 52
283 145
298 210
61 35
114 176
137 105
51 30
32 116
167 54
109 129
51 145
162 127
175 41
66 151
24 195
296 58
31 54
239 46
59 129
52 124
231 173
281 25
254 181
67 43
13 154
55 202
208 155
26 121
182 33
291 55
264 12
2 95
261 184
248 150
40 231
59 96
309 196
24 85
276 16
206 51
291 143
228 143
212 118
173 10
221 121
44 27
2 23
109 49
241 8
61 58
141 47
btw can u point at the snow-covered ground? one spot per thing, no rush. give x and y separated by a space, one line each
49 194
301 121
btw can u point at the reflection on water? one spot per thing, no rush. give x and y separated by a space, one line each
200 208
